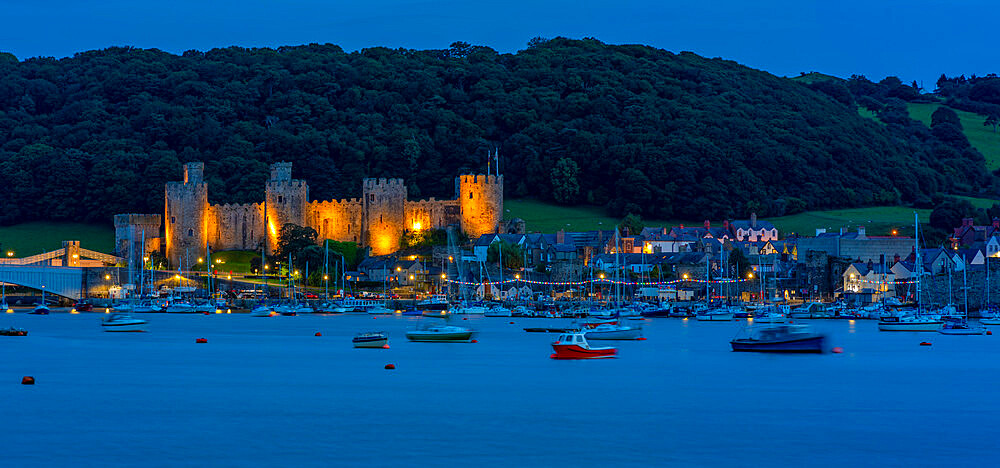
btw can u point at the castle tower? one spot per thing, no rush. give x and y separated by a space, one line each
481 200
384 214
129 229
186 216
286 201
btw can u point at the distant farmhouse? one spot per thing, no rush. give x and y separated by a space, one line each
377 220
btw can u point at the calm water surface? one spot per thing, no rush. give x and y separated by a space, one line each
265 391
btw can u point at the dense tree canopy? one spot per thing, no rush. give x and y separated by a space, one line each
637 129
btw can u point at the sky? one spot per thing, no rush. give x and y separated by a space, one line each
914 40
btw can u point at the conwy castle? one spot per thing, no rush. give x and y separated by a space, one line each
377 220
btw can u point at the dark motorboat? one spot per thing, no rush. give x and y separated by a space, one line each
781 339
13 332
664 312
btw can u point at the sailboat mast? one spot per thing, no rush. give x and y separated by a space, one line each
916 250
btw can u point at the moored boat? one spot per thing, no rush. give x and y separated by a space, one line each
123 323
612 331
371 340
961 326
721 314
575 346
440 333
780 339
909 323
13 332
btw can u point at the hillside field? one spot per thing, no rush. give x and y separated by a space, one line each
38 237
878 221
981 137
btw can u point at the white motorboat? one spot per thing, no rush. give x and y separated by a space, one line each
371 340
263 310
961 326
204 308
613 331
118 322
180 307
769 314
498 311
303 308
147 307
440 333
380 310
469 310
721 314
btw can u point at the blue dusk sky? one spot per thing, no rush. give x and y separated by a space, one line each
915 39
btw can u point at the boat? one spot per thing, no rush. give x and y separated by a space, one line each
908 322
13 332
809 310
782 338
119 322
41 308
575 346
613 331
721 314
371 340
769 314
79 307
435 302
960 326
498 311
440 333
263 310
469 310
180 307
380 310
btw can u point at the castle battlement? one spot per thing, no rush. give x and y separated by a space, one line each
480 179
137 219
384 183
342 201
287 183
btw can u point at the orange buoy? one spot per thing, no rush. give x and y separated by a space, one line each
474 341
385 346
374 318
27 380
465 318
204 313
988 332
925 343
390 366
318 334
511 323
641 338
838 350
201 340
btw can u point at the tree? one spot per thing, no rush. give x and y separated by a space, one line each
948 215
739 263
945 114
992 120
631 224
565 187
292 239
513 256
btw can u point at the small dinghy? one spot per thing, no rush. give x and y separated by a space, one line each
574 346
371 340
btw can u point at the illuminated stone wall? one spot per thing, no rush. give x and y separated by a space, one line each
236 227
384 207
481 200
129 230
339 220
431 214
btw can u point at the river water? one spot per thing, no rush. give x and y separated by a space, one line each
267 392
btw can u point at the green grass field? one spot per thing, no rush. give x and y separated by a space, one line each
34 238
981 137
237 261
547 217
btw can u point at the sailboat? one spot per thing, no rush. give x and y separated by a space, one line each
41 308
713 314
961 325
614 330
3 299
124 321
912 320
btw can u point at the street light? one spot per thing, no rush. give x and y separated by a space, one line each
749 275
685 276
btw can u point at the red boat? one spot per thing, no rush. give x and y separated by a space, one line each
575 346
84 307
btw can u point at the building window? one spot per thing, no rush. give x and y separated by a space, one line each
173 220
281 199
470 195
190 232
371 197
